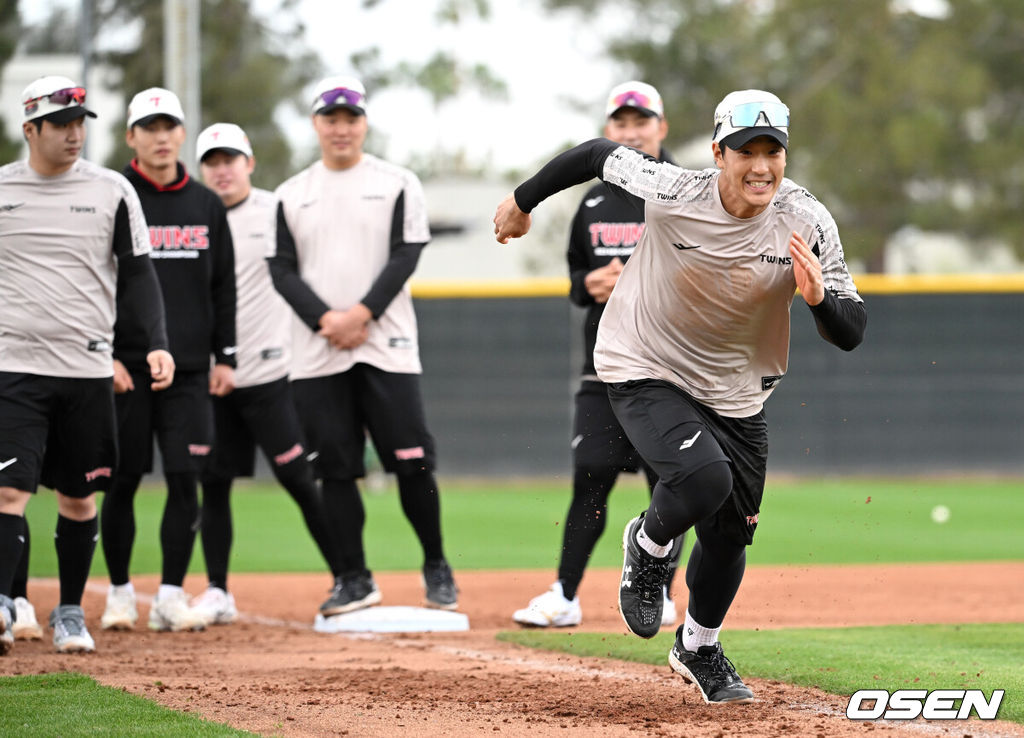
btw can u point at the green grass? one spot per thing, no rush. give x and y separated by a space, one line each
73 704
842 660
492 525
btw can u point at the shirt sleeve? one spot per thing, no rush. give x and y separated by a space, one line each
225 299
402 260
139 289
284 270
840 321
569 168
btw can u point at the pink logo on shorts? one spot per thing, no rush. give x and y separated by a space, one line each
199 449
103 471
752 519
403 454
290 455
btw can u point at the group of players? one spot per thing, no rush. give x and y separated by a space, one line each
214 319
687 276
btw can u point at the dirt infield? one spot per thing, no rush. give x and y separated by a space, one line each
273 675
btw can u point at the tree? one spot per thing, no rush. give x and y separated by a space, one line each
248 68
898 119
10 32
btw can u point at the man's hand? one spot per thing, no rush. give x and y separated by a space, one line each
222 380
161 369
510 221
346 329
600 281
122 378
806 270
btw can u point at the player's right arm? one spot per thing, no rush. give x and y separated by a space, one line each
139 289
284 271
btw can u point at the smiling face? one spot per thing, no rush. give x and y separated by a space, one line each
342 134
750 176
630 127
54 147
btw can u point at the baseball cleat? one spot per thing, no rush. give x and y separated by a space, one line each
710 670
550 609
216 605
69 632
26 627
352 591
172 612
6 621
668 610
121 612
439 585
641 590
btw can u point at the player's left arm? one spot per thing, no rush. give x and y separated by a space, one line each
826 285
222 285
410 232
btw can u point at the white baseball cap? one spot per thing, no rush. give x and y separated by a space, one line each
339 92
746 114
222 136
634 94
153 102
55 98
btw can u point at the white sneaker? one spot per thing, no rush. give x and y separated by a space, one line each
26 627
6 621
171 612
69 632
121 612
550 609
216 605
668 610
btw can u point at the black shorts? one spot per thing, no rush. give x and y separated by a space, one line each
181 418
57 430
598 439
677 435
261 415
337 411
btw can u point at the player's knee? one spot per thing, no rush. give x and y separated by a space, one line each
76 508
13 501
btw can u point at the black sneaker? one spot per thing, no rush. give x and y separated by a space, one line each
441 592
641 595
351 591
710 670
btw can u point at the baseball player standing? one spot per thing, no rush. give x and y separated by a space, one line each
694 339
70 232
260 410
604 232
350 230
194 260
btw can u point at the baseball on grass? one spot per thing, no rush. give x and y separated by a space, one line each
940 514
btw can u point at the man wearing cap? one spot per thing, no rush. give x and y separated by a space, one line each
260 410
350 229
71 233
194 259
694 339
604 233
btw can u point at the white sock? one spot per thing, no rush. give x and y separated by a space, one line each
654 549
696 635
167 590
122 589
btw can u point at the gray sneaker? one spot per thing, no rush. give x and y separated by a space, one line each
69 631
441 592
6 623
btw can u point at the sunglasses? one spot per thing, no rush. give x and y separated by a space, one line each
747 115
633 98
62 97
350 97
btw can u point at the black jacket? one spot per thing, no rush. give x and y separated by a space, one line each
195 263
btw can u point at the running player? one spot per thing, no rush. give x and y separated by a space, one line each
607 225
260 410
694 339
194 260
350 229
69 232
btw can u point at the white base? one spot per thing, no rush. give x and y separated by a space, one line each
392 620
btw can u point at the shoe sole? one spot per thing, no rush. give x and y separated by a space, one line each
168 628
374 598
5 645
680 668
27 633
117 624
441 606
76 646
530 624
